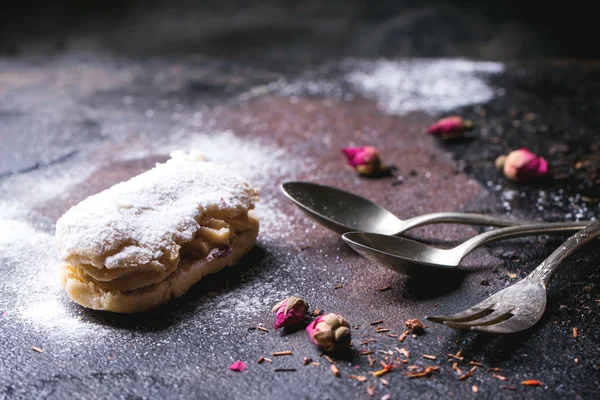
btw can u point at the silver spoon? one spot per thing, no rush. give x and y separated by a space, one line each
343 212
411 257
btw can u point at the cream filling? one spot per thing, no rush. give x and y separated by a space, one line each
214 233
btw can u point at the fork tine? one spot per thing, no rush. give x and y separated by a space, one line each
495 317
470 314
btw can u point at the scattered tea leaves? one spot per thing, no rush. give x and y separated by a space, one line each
467 374
381 372
334 370
531 382
360 378
403 336
371 360
282 353
421 374
403 351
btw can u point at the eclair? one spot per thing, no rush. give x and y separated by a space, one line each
146 241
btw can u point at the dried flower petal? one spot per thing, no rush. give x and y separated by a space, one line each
522 166
330 332
450 127
365 160
531 382
238 366
290 311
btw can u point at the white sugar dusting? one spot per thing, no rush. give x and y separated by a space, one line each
34 296
254 160
431 86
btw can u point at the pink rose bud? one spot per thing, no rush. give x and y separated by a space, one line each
290 311
522 166
365 160
450 127
238 366
331 332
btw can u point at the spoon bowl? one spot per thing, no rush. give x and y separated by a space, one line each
401 254
412 257
341 211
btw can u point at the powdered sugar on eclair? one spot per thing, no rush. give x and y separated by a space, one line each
144 221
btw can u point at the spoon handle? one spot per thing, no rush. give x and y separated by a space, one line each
543 273
457 217
517 231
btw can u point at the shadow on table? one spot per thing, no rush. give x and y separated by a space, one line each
430 283
187 306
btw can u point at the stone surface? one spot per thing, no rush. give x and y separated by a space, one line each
75 124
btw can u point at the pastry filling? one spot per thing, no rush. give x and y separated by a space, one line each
211 241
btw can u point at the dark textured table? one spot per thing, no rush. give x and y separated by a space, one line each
75 124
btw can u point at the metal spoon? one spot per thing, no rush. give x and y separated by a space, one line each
411 257
343 211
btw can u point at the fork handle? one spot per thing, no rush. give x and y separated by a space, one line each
543 273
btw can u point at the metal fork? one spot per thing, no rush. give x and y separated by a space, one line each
520 306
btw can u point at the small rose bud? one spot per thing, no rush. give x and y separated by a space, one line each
415 326
290 311
331 332
365 160
450 127
522 166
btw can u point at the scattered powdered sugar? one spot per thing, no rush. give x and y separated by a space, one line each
399 87
253 159
31 289
431 86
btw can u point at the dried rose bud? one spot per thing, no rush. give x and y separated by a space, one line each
450 127
522 166
290 311
365 160
331 332
415 326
